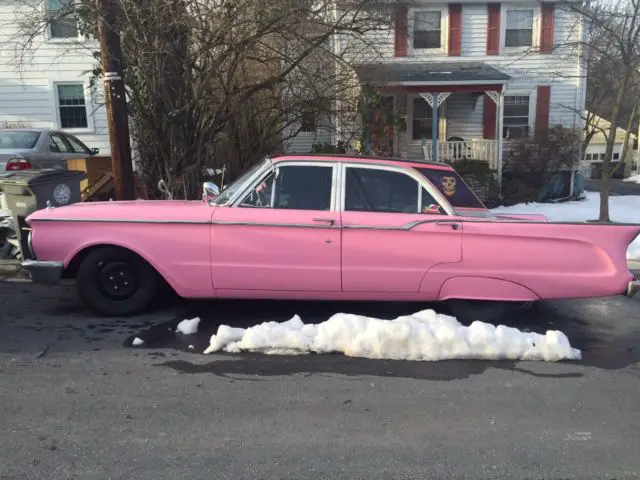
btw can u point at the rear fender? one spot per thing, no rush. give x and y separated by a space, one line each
483 288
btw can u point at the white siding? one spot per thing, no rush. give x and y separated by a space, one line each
464 116
304 141
27 94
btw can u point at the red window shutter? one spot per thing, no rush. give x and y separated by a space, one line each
489 118
546 28
455 29
401 24
543 102
493 29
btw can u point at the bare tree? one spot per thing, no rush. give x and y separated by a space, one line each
612 49
225 82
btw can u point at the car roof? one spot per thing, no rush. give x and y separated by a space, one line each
322 157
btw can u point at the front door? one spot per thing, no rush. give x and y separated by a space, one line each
283 235
393 232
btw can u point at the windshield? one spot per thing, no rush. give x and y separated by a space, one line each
231 189
452 187
18 140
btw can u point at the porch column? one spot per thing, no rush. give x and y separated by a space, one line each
435 100
496 96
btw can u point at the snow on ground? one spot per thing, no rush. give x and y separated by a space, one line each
623 208
425 335
633 179
188 326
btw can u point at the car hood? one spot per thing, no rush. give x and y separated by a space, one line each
138 211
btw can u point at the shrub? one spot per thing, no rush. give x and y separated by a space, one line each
530 163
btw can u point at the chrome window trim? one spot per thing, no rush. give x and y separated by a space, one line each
267 163
422 182
299 163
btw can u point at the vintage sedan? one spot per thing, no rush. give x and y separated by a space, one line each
326 228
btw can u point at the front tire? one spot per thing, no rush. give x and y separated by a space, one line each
113 281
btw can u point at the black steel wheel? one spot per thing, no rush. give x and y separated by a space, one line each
113 281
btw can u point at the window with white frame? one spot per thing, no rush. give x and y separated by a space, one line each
518 28
427 29
515 118
309 121
422 121
62 21
71 105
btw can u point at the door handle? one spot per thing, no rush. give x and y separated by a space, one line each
330 221
454 226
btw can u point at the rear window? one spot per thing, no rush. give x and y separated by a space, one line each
452 187
18 140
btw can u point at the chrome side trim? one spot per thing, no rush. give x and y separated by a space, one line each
323 226
117 220
405 227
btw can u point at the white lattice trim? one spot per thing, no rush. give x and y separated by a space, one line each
428 97
493 95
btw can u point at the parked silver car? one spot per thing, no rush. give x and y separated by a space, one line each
25 148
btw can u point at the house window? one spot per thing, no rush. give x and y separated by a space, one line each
616 156
422 119
62 21
427 30
588 157
519 28
71 104
515 116
308 122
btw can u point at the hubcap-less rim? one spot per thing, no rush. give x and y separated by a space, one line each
117 280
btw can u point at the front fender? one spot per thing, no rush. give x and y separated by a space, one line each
484 288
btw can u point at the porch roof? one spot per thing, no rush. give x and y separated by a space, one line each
413 74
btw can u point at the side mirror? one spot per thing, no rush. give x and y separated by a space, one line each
210 191
94 151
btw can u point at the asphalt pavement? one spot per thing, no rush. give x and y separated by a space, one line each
78 402
618 187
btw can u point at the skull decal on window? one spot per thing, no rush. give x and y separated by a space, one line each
449 186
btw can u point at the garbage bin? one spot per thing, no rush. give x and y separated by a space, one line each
26 191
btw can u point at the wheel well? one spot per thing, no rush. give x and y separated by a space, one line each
72 269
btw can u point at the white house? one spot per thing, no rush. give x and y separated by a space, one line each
593 155
474 74
51 89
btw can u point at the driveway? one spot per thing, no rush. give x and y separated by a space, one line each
618 187
76 403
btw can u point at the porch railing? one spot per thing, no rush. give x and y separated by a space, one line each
468 149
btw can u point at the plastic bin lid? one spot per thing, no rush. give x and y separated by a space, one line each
35 177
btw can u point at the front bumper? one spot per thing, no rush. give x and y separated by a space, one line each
45 273
633 287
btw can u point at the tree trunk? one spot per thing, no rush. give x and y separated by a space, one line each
605 186
625 145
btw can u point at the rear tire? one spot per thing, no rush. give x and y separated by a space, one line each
468 311
113 281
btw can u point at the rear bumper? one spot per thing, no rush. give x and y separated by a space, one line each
633 288
45 273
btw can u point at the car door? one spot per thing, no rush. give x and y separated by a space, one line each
283 234
388 243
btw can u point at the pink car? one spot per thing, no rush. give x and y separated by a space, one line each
327 228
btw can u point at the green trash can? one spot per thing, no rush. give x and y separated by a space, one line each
26 191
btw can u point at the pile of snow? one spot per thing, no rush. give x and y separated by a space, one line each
425 335
633 179
188 326
623 208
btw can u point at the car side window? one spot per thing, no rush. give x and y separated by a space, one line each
385 191
293 187
60 145
76 145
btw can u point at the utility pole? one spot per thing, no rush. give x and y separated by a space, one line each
115 99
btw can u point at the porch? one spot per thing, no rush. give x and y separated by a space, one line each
452 111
